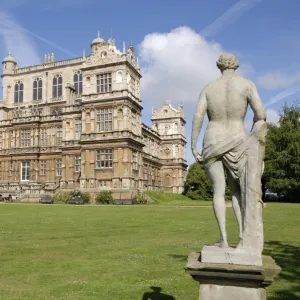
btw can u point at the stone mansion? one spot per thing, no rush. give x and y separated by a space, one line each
77 123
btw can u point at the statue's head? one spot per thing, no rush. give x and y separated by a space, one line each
227 61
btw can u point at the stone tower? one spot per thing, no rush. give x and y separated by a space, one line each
169 123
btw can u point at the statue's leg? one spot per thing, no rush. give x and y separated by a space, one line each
217 178
235 191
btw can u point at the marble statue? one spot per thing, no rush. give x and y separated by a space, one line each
228 152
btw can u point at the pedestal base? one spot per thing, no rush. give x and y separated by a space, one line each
232 282
217 255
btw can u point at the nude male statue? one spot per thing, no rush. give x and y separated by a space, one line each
225 143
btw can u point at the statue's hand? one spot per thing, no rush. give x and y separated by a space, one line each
197 155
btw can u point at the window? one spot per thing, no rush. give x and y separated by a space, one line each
104 83
19 88
57 86
59 134
77 163
43 167
78 83
10 168
104 158
78 127
37 89
104 119
25 138
58 167
134 160
43 140
25 170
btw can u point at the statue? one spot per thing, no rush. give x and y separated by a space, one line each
228 149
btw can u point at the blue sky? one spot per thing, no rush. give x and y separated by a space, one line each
178 42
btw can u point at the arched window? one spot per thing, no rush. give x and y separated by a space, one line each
57 86
19 88
37 89
78 83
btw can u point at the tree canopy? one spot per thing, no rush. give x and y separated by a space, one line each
197 185
282 161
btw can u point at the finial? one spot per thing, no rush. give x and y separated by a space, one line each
124 48
83 53
9 53
52 57
131 44
98 34
137 62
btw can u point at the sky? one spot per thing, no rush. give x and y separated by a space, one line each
178 43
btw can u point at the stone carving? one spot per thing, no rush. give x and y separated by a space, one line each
227 148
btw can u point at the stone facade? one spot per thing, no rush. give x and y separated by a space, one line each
77 123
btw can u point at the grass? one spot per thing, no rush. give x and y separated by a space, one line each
176 199
119 252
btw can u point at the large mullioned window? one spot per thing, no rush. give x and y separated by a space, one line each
104 119
104 83
25 138
78 83
37 89
57 86
19 90
104 158
25 170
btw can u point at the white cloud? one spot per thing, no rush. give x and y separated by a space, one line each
14 39
277 80
177 65
272 116
229 16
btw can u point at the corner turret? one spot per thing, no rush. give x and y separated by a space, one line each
9 65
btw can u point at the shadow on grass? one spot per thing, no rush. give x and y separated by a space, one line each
288 258
179 257
156 294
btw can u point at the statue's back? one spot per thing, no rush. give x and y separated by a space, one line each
227 99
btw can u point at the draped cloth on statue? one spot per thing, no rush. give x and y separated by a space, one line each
243 158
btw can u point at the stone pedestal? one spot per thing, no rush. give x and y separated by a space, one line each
232 281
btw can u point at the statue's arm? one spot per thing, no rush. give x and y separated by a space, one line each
256 104
198 121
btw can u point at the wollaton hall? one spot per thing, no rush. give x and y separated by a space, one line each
77 124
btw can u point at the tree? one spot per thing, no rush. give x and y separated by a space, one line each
282 161
197 185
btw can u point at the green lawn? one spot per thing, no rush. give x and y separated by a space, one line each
176 199
119 252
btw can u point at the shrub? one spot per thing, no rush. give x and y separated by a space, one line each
79 194
104 197
61 197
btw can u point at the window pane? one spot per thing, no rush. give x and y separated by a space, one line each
21 96
21 86
34 94
75 77
40 94
60 80
55 81
16 97
16 87
40 83
54 91
59 91
35 84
